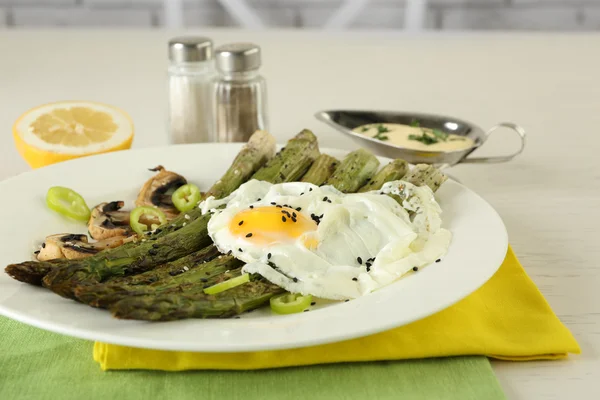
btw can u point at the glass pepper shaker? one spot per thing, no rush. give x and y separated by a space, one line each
239 99
191 76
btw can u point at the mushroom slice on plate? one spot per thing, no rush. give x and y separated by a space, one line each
107 220
157 191
74 246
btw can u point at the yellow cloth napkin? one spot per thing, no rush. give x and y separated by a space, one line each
507 318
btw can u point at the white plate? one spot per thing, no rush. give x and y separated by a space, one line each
478 247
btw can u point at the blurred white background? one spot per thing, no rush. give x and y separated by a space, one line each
536 15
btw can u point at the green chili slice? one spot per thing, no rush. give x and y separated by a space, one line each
186 197
290 303
68 203
137 213
228 284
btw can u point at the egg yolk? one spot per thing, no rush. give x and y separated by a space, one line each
270 225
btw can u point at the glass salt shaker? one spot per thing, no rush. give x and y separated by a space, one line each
191 77
239 100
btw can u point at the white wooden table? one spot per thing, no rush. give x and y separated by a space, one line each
549 197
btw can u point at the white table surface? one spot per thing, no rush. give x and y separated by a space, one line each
549 197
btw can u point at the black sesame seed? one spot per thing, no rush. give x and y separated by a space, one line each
345 301
283 219
269 256
241 223
152 252
294 214
240 250
251 206
313 303
294 219
310 189
298 209
273 203
237 317
329 201
43 245
278 206
295 279
259 199
368 268
301 193
438 260
354 279
306 310
415 269
359 260
229 252
36 252
249 235
325 198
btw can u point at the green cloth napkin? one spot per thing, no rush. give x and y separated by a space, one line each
35 364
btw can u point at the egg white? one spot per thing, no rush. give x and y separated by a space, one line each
354 228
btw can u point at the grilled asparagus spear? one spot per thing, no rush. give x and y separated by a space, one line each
124 260
183 304
426 175
173 306
194 278
321 170
361 165
286 166
394 171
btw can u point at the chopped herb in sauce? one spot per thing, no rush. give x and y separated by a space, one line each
380 133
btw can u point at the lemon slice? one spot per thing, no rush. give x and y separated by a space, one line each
69 129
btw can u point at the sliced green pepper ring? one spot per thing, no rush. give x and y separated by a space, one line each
137 213
290 303
186 197
228 284
68 203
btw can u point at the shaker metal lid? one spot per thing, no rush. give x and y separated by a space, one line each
190 49
237 57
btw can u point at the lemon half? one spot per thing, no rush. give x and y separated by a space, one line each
69 129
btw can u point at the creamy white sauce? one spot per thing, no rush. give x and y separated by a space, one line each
414 137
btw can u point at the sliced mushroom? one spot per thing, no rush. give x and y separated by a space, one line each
157 191
108 221
74 246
